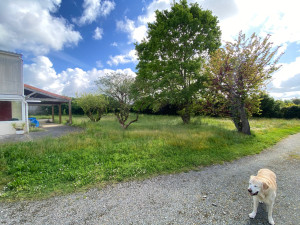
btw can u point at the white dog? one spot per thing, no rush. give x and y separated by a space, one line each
263 189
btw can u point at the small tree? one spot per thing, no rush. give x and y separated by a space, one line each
170 68
238 72
93 105
118 87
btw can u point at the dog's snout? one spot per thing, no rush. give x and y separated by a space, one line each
250 190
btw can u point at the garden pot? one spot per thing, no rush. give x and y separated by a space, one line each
19 131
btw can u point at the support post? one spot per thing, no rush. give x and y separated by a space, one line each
52 113
70 112
59 112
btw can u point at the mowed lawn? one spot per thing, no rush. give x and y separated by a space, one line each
104 153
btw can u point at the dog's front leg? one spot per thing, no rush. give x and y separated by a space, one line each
255 205
270 212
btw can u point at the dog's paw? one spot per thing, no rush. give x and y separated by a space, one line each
271 221
252 215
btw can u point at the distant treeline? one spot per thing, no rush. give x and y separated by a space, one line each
270 108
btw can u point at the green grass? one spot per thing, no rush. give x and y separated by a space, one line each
35 129
104 153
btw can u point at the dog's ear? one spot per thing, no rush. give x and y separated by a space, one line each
265 186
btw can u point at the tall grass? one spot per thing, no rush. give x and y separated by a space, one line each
105 153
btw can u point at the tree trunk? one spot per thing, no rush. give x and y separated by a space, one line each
186 115
186 118
245 121
132 121
122 117
239 117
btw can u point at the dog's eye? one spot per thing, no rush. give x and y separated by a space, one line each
255 185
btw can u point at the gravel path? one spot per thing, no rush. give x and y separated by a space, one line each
213 195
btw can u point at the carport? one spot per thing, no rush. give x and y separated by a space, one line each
36 96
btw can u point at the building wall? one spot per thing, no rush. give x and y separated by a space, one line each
18 114
7 128
11 74
11 92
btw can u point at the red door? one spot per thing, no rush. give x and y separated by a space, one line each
5 111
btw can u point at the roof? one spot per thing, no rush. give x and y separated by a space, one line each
37 95
10 53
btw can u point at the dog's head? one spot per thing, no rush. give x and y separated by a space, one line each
256 186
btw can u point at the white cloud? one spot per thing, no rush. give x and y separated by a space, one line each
137 30
98 33
285 95
90 13
221 8
135 33
30 26
286 82
286 72
269 16
41 74
115 44
94 9
126 26
280 19
78 81
99 64
130 57
107 7
160 5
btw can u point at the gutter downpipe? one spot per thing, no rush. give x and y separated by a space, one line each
26 114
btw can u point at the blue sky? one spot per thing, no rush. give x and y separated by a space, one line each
67 44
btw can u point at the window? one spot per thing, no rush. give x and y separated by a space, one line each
10 110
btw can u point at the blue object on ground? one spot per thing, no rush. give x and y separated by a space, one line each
34 121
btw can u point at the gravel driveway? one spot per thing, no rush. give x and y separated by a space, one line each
212 195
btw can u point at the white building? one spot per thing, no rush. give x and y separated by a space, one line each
13 107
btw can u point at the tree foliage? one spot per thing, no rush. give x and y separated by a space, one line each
237 73
93 105
269 108
291 112
296 101
118 87
170 68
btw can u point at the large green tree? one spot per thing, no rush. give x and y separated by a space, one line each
171 58
237 74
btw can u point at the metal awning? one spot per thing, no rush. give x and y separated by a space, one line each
37 96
